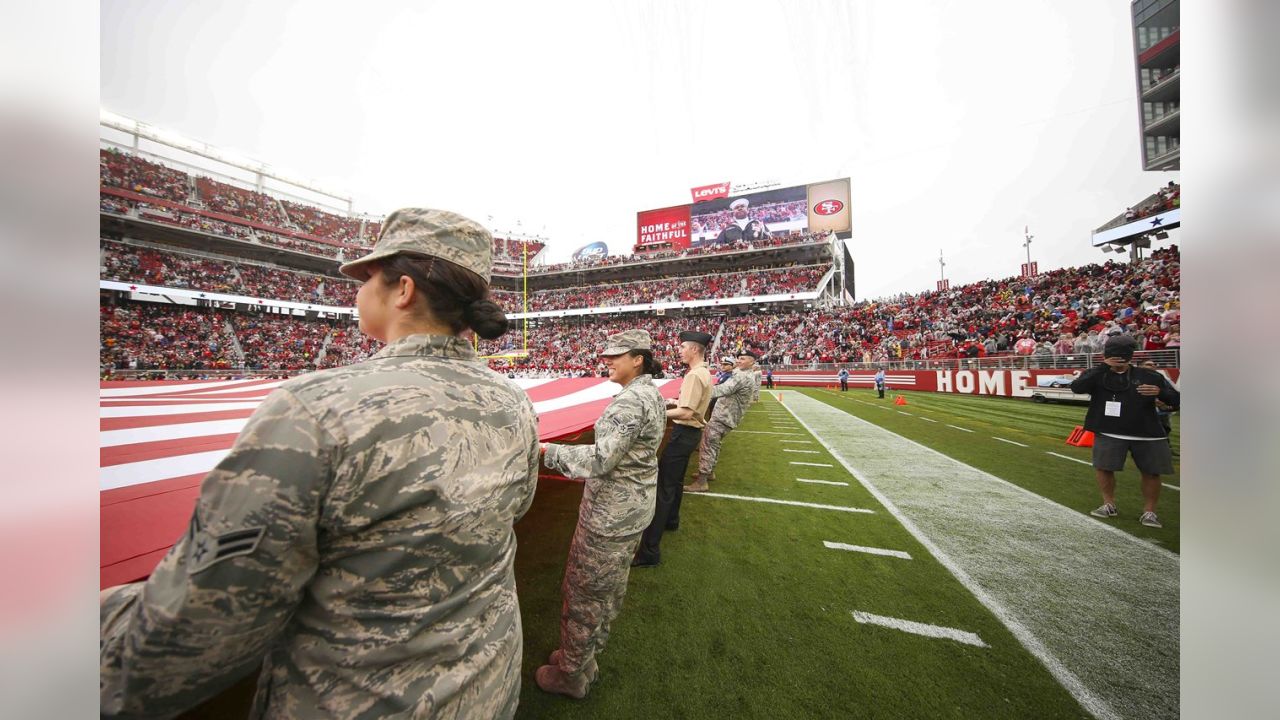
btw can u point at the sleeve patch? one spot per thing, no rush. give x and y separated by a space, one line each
207 550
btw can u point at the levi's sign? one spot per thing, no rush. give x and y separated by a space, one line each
710 192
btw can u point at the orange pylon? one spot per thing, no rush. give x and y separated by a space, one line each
1080 437
900 401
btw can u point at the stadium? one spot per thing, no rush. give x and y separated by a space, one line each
925 551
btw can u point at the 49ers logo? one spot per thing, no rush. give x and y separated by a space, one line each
828 207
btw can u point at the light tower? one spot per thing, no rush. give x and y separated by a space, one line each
942 274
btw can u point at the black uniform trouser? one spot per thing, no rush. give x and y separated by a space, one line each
844 384
880 389
671 469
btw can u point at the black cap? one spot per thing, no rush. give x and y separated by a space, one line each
751 353
1119 346
701 338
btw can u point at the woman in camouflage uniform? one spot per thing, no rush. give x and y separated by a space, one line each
621 472
356 544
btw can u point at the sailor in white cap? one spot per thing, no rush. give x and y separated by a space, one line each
741 227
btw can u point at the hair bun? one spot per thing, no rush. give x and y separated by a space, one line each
486 318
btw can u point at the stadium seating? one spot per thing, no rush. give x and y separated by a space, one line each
128 263
700 287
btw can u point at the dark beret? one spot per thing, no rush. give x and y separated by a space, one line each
701 338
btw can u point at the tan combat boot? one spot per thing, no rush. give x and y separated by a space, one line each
553 680
699 484
592 670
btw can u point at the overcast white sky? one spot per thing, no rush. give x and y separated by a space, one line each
958 122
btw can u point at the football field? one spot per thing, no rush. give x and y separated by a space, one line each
857 558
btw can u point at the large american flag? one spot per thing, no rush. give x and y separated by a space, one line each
159 439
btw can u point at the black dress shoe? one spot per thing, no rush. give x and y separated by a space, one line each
639 562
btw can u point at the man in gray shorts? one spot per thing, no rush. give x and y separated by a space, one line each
1122 417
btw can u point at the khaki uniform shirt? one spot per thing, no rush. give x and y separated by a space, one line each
695 394
359 537
621 468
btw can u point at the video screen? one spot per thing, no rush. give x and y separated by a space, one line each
749 218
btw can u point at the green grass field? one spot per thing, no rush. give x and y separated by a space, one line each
751 616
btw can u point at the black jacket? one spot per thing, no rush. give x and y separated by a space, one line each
1137 412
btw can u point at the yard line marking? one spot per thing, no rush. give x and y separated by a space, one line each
928 419
766 432
807 452
774 501
1172 487
1068 457
812 464
823 482
903 413
1011 442
919 628
984 539
958 427
809 442
868 550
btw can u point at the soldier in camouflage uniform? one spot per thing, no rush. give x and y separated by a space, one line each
356 544
621 472
733 397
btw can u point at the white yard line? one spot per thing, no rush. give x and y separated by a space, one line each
919 628
823 482
774 501
1068 457
1011 442
868 550
1172 487
794 462
958 427
928 419
807 442
807 452
903 413
1057 578
766 432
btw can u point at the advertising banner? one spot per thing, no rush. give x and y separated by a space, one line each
704 193
829 206
668 225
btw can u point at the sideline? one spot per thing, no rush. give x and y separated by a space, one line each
1098 606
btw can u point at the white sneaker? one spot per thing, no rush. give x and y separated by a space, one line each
1106 511
1150 520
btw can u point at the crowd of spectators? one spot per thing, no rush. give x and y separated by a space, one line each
231 200
279 343
129 263
126 171
315 221
570 347
748 283
1164 200
1017 316
138 336
130 172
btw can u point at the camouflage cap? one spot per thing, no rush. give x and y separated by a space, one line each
626 341
435 233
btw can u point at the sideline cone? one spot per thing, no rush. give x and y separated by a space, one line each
900 401
1080 437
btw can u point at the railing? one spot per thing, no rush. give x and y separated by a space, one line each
1163 358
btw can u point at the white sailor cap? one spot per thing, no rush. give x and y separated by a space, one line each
739 203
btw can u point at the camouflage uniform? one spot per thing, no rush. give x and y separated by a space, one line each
621 471
733 397
756 377
356 545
